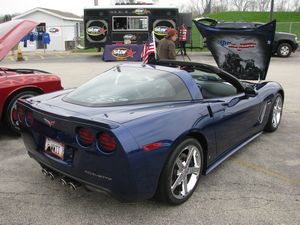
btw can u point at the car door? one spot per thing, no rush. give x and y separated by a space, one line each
234 107
236 118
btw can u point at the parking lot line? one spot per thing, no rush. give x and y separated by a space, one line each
42 57
266 171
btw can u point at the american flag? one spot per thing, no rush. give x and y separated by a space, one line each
149 48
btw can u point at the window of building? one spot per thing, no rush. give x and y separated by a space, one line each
120 23
138 23
130 23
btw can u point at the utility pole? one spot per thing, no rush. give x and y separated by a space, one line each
271 10
95 2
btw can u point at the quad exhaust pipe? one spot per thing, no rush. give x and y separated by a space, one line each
45 172
50 173
64 181
73 184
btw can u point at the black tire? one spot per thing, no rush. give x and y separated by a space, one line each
284 50
275 114
171 173
9 118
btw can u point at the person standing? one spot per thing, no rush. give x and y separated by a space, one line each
182 39
166 46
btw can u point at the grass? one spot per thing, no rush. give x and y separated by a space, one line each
85 50
256 16
286 22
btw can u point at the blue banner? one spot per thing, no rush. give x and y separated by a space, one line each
242 52
122 52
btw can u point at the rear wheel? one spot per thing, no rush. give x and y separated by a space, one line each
11 116
181 174
284 50
275 114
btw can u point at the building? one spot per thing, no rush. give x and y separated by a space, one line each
63 28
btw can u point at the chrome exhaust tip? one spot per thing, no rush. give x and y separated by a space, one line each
45 172
52 175
73 185
64 181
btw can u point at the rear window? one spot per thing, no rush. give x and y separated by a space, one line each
130 85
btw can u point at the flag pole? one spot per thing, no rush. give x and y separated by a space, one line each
154 43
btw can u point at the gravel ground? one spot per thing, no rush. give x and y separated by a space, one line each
259 185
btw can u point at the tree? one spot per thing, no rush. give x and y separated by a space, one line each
263 5
282 5
207 9
242 5
199 7
6 18
194 7
296 6
220 5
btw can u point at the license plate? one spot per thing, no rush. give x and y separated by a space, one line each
55 148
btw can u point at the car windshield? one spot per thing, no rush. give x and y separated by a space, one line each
130 85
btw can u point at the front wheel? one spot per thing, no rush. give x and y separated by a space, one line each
284 50
11 117
275 114
182 171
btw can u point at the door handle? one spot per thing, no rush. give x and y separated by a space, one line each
225 104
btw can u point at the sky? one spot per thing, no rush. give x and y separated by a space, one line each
73 6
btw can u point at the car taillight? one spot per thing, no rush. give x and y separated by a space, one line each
85 137
152 146
106 142
21 114
29 119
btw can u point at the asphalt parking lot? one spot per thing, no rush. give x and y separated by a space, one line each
259 185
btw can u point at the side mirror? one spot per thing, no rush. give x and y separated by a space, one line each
249 91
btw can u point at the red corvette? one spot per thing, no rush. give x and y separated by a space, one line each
20 83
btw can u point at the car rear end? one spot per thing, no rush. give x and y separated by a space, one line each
95 134
77 150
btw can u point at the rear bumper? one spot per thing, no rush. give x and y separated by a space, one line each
128 178
44 164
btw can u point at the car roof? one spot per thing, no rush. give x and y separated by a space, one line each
182 74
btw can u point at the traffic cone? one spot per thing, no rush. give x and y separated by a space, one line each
20 55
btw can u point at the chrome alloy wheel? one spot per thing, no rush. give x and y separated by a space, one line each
277 110
284 50
185 172
13 111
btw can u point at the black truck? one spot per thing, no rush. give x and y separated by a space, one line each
284 43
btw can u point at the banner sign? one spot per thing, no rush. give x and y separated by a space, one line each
141 11
96 30
122 52
54 31
245 53
160 28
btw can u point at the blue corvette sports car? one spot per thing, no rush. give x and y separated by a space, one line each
137 131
